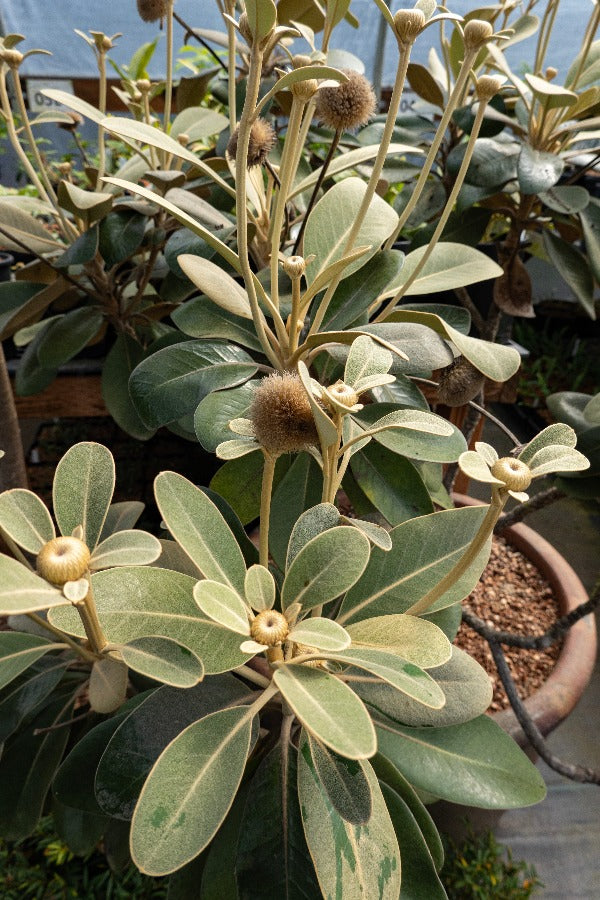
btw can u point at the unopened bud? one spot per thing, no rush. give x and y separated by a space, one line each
476 33
64 168
343 393
301 60
63 559
12 57
487 87
143 85
408 24
269 628
515 474
183 139
551 73
245 30
294 266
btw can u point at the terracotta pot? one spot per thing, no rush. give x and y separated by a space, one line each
551 704
559 694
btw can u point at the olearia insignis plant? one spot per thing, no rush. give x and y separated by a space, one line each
311 697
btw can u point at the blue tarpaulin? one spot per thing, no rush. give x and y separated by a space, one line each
49 24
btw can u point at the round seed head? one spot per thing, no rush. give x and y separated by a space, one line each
294 266
487 87
343 393
262 140
281 415
408 24
459 383
515 474
476 33
63 559
269 627
152 10
348 105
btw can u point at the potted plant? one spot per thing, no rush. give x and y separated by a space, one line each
270 718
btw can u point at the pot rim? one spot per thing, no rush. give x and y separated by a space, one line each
560 693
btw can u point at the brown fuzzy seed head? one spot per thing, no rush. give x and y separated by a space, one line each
63 559
408 24
348 105
459 383
152 10
281 415
262 140
476 33
487 87
269 628
515 474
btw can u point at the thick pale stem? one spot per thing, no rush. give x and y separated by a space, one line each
293 322
67 229
265 508
445 214
486 528
590 31
169 85
102 106
286 176
463 75
373 179
252 88
43 623
231 40
91 623
254 677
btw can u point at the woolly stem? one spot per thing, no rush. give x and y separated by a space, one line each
463 76
43 623
265 508
101 57
470 148
499 498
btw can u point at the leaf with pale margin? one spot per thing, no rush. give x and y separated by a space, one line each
121 516
403 675
423 551
557 458
327 240
216 284
458 764
18 652
327 431
325 567
310 523
329 709
449 266
365 359
25 519
557 433
323 634
158 601
22 591
194 781
259 588
474 466
351 861
466 686
170 383
496 361
345 782
163 660
222 604
83 486
198 526
411 637
126 548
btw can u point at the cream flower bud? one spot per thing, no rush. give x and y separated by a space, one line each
63 559
476 33
294 266
515 474
269 627
12 57
487 87
408 24
143 85
343 393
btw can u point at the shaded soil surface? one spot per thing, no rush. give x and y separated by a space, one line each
512 595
